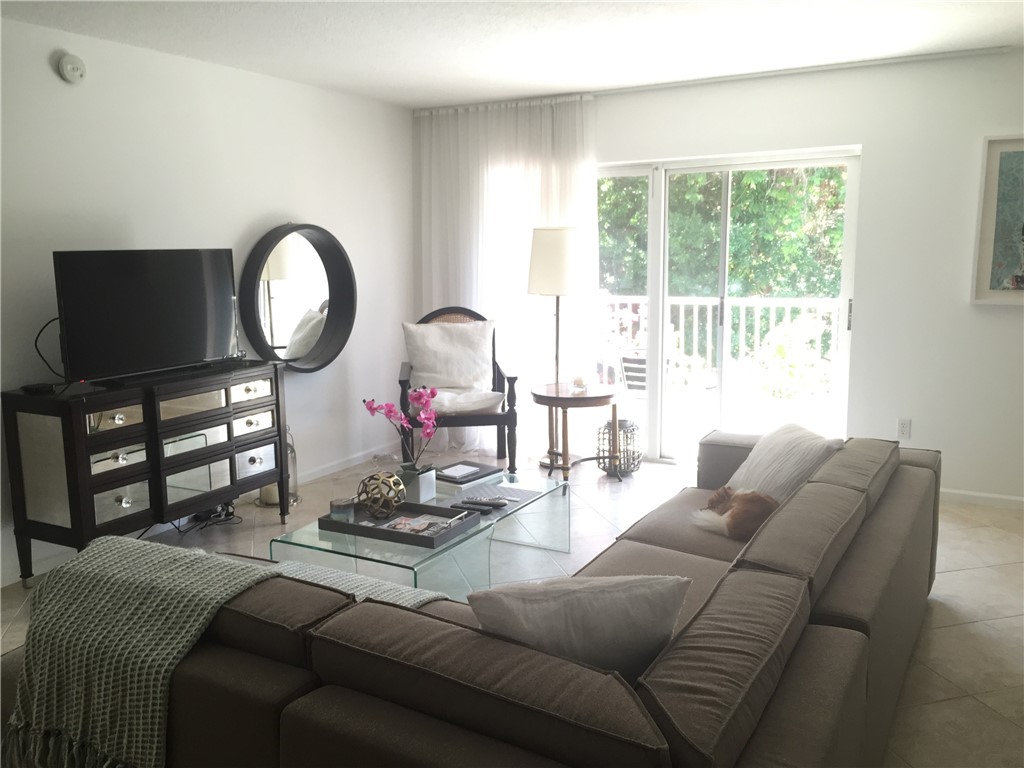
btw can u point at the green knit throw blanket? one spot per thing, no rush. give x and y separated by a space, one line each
108 628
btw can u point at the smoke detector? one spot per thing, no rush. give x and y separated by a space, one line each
71 68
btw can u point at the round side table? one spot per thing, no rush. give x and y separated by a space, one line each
564 397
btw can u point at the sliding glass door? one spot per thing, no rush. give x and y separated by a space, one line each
728 287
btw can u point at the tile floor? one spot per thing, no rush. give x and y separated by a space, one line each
963 698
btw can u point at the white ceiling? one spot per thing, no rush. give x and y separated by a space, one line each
422 54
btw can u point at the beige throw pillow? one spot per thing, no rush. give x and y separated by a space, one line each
450 355
782 461
618 623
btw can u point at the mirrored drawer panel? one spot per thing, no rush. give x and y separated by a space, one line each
250 390
193 441
198 480
117 458
192 404
121 502
254 422
249 463
104 421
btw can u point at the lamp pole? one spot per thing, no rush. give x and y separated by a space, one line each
558 324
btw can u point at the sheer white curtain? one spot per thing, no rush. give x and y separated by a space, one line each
488 175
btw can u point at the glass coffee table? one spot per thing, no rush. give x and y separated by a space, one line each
537 515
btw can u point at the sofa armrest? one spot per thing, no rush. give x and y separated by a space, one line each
719 455
829 733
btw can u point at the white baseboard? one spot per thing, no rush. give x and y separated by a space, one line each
309 475
984 499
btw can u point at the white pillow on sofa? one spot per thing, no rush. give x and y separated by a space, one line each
782 461
450 355
616 623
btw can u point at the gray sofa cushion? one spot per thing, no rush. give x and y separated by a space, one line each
863 464
634 558
672 526
816 715
334 726
555 707
807 535
708 689
271 618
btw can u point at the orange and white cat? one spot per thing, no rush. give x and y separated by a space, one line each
736 515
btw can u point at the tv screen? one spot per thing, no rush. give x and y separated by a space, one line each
126 312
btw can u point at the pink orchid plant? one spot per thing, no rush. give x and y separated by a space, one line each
427 417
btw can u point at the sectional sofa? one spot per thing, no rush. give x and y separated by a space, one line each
789 649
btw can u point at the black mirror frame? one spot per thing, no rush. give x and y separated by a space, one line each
341 288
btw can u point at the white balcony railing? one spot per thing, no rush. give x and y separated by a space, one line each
799 330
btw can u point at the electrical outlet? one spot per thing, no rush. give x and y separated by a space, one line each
903 429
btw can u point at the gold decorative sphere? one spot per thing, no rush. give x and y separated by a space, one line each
380 494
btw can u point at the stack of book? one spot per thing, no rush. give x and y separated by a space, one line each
466 472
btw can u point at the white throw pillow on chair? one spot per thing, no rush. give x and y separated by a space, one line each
453 402
451 355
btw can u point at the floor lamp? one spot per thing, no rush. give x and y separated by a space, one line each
554 264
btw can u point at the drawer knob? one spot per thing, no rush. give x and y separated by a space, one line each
123 501
119 458
249 390
252 423
255 460
117 418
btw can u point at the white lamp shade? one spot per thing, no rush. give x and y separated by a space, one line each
555 262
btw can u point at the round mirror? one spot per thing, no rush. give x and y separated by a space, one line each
297 297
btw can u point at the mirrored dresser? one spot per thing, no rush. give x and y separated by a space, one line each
89 461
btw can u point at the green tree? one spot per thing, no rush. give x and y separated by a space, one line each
622 234
785 232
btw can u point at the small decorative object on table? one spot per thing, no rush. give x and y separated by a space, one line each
380 494
420 482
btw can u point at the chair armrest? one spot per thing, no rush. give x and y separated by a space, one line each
506 384
404 375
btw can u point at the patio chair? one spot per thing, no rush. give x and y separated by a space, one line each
634 372
453 349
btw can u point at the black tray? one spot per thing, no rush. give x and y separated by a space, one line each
339 523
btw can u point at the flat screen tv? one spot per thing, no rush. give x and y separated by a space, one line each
129 312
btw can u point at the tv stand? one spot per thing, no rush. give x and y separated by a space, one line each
94 459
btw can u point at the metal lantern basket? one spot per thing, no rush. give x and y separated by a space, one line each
630 454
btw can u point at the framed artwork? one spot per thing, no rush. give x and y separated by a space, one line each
999 254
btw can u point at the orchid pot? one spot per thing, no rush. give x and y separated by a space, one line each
420 484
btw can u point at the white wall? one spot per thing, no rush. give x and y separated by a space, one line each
156 151
920 348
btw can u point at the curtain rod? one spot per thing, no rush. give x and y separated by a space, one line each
538 101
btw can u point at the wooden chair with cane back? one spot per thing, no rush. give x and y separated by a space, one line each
493 405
